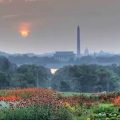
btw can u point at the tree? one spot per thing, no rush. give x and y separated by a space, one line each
86 78
31 76
3 80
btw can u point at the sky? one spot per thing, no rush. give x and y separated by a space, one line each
43 26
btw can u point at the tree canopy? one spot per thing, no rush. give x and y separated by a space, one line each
86 78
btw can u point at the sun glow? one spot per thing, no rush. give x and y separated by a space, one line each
24 29
24 33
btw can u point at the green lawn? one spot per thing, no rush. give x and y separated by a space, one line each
66 94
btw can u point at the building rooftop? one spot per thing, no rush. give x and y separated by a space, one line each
64 53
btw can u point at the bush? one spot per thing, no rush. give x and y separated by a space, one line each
107 111
101 108
43 112
63 114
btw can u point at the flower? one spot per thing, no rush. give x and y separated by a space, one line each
116 101
69 107
88 118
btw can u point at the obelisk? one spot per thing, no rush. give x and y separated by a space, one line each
78 41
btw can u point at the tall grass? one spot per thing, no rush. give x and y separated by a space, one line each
38 112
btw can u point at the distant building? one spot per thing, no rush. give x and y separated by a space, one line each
86 53
64 56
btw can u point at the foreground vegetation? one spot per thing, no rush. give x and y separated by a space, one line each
46 104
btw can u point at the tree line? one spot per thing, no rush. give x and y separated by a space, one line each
23 76
76 78
87 78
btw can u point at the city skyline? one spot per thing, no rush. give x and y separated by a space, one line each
43 26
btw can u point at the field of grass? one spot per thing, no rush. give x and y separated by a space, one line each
65 94
46 104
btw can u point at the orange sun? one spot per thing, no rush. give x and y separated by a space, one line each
24 33
24 29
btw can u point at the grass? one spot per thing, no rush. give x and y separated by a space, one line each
66 94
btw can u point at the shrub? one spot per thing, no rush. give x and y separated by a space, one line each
103 108
63 114
41 112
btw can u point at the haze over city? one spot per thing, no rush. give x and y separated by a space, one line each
40 26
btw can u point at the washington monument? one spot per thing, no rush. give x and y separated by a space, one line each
78 41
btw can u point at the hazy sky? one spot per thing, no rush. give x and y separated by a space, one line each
51 25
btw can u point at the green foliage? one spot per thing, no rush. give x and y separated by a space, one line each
42 112
22 76
86 78
98 112
106 111
63 114
101 108
77 78
31 76
3 80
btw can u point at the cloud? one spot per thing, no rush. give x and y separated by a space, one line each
10 16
